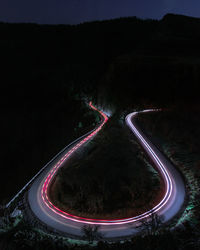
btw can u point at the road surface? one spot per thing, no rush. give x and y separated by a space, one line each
52 216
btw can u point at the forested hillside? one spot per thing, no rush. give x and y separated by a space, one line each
47 71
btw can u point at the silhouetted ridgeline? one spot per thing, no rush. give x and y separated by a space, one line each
157 58
46 70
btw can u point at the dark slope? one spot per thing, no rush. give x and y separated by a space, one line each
46 68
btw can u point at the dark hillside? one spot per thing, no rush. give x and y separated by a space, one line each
179 25
46 70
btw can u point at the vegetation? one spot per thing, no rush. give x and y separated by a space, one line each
91 233
176 131
126 63
109 180
34 134
152 225
23 236
46 69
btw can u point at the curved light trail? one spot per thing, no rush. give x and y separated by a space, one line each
169 205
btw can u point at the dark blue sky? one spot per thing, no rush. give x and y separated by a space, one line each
76 11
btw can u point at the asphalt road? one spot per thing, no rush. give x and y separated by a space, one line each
52 216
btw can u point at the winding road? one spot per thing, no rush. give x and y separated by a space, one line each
53 217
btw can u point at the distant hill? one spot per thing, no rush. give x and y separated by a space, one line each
180 26
46 70
80 57
175 18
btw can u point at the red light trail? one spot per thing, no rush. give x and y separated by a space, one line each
52 173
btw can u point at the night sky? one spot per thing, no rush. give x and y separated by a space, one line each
76 11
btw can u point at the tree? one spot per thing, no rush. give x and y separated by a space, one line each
152 224
91 233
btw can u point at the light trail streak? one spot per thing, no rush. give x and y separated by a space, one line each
163 170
